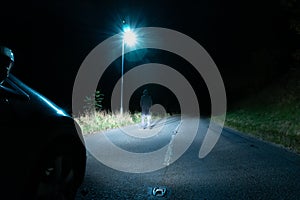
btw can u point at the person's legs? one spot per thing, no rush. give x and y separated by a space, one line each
148 120
143 120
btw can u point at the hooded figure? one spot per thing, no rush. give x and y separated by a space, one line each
146 103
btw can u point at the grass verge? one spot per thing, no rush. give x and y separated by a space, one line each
91 122
99 121
272 114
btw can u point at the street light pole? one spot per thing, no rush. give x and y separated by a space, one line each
129 38
122 72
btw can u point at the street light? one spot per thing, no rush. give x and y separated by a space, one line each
129 38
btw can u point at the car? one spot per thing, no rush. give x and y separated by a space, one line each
43 154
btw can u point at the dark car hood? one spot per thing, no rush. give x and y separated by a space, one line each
29 111
31 104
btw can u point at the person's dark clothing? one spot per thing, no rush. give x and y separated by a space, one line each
146 103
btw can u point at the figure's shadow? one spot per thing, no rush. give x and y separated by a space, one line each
163 121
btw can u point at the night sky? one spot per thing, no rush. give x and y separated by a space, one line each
249 41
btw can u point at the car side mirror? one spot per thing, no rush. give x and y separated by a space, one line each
5 68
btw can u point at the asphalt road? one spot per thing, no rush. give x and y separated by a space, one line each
238 167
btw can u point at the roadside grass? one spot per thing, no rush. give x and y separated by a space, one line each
99 121
272 114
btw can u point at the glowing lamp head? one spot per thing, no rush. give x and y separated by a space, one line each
129 36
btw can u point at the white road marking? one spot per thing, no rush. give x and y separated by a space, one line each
169 152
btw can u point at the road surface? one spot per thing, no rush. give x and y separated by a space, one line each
238 167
